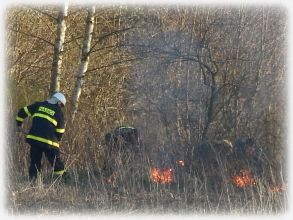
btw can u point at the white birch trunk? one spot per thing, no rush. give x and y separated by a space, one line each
58 50
84 59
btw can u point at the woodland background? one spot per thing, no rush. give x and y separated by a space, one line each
180 75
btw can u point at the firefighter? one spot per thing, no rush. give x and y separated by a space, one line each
45 133
122 145
212 161
122 137
249 154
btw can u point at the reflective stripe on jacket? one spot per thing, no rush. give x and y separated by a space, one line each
47 122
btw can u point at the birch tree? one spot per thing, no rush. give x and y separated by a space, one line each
84 59
58 50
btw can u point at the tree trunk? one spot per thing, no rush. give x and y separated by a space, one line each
210 111
84 60
58 50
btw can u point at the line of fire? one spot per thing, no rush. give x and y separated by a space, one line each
241 163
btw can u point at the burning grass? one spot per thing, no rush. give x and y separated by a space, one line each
163 176
278 188
243 178
139 187
142 188
92 196
181 163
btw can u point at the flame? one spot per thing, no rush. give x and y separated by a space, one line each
111 179
164 175
244 178
181 163
278 188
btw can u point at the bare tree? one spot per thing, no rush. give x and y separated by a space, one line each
84 59
58 50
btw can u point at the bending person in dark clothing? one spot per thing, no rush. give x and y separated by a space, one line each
122 137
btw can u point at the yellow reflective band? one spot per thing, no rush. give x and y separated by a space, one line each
27 111
42 140
126 127
19 119
228 142
53 121
59 172
47 110
60 130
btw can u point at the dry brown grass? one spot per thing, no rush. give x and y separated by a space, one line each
134 194
131 193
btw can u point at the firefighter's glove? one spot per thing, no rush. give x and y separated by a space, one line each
21 130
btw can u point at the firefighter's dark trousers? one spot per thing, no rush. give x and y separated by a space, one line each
36 152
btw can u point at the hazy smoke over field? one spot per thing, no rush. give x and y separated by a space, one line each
213 69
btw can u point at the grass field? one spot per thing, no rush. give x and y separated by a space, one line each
132 193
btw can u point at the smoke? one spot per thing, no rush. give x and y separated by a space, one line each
191 63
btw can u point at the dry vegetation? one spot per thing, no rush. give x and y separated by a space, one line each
182 76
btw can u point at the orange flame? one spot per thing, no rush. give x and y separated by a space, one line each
278 188
164 176
244 178
181 163
111 179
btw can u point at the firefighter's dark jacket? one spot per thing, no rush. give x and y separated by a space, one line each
48 122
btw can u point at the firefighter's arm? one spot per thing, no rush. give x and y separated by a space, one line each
60 128
23 113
